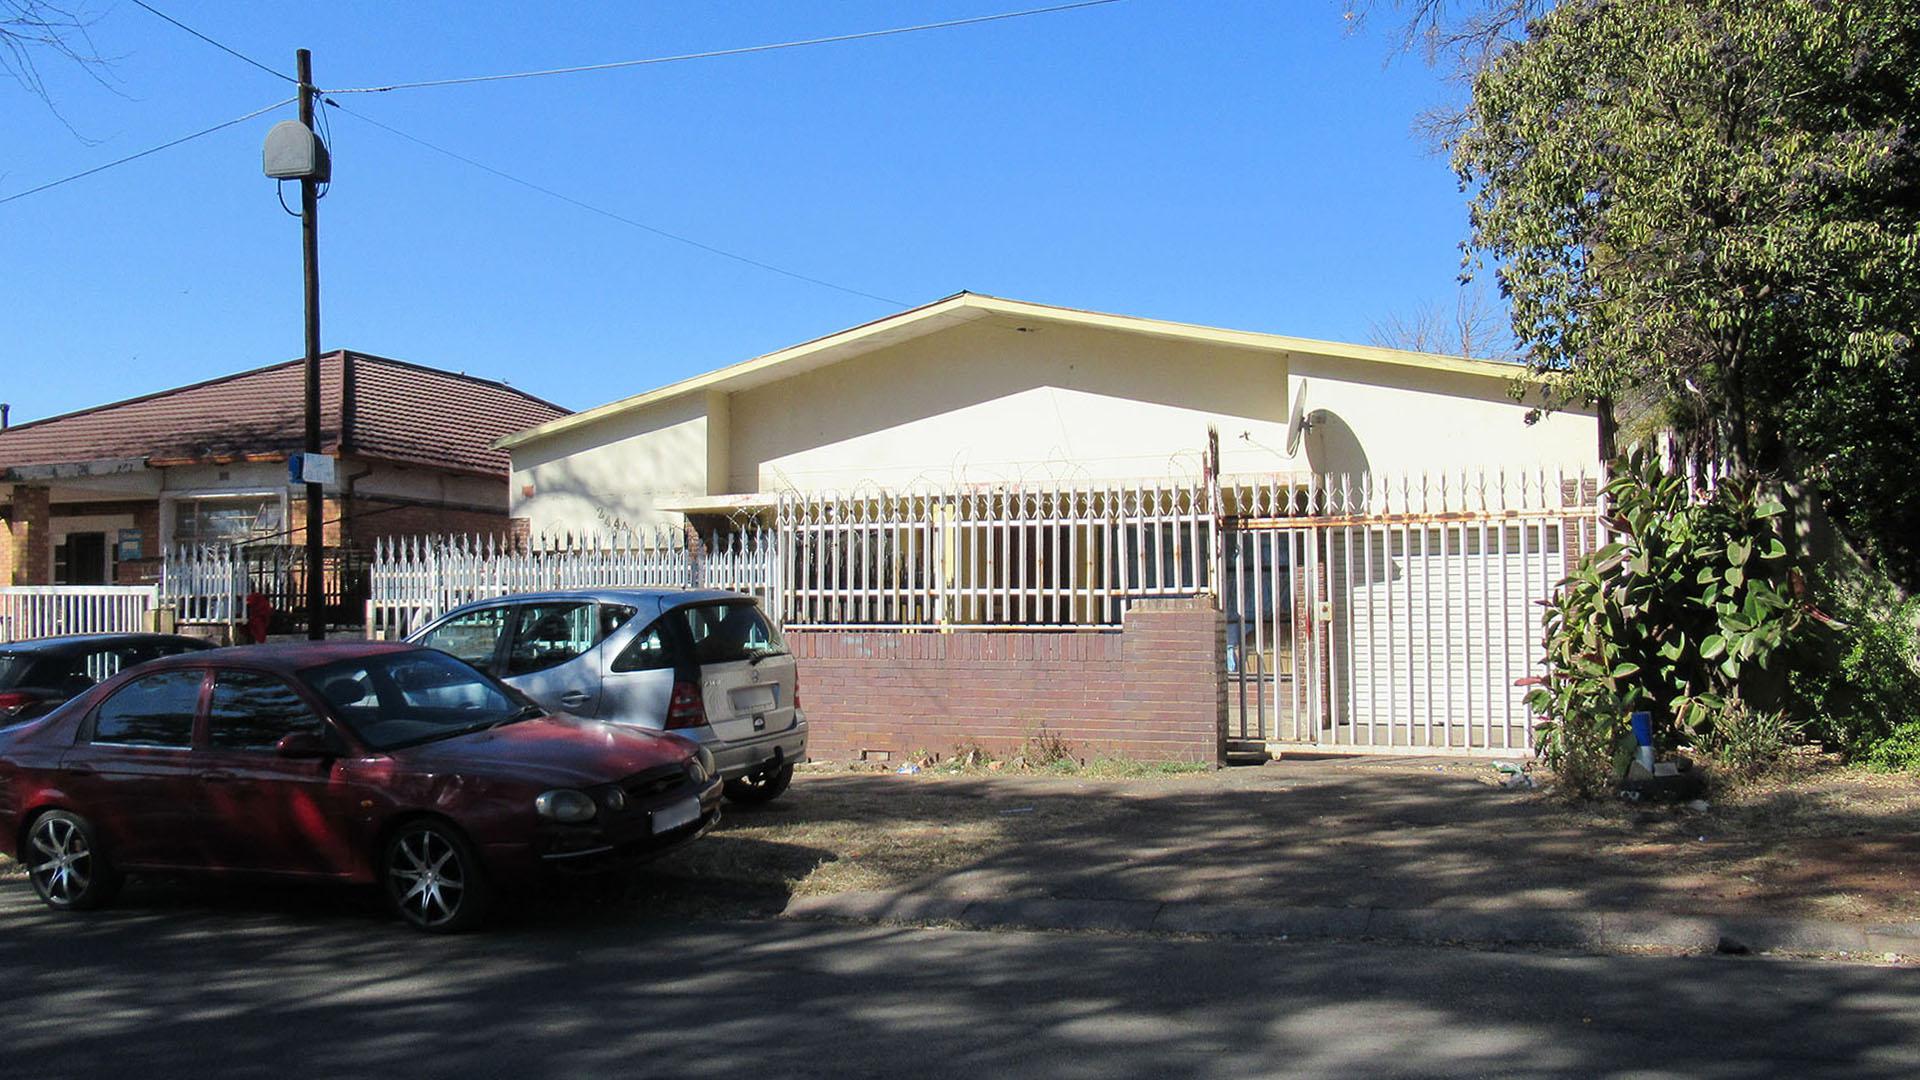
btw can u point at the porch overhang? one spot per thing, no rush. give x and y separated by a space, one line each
71 470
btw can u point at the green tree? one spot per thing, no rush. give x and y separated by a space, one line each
1714 205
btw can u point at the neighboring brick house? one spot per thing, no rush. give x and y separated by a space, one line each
96 496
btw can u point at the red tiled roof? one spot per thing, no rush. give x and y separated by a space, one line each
395 411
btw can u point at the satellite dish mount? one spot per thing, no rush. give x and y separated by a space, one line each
1299 420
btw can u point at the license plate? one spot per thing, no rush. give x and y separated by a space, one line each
685 812
752 699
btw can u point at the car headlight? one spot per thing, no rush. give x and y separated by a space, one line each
566 805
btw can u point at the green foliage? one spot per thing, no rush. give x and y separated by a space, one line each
1861 684
1684 616
1747 742
1714 205
1898 750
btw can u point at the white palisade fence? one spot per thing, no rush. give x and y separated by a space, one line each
992 558
33 611
1397 614
417 579
1394 613
205 584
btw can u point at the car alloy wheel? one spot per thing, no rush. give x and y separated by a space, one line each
433 879
65 865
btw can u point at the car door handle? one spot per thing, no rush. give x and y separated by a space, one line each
574 698
217 777
78 770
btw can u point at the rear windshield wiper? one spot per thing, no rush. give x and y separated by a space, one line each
755 662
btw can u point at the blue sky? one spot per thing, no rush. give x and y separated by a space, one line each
1243 163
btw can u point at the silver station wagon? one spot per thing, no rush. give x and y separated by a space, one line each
705 664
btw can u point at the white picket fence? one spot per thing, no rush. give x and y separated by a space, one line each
416 579
34 611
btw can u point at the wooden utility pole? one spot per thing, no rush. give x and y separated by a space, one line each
310 257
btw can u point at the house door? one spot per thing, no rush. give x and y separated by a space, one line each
82 559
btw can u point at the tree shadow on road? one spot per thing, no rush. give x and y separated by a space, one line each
241 989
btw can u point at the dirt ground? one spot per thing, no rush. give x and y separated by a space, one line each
1832 844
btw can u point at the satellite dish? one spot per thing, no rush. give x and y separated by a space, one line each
1297 422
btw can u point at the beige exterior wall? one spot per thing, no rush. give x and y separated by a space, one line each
984 402
1390 419
609 475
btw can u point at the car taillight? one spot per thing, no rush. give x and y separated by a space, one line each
13 703
686 709
796 689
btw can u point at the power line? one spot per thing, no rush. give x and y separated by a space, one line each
223 48
623 219
149 150
862 36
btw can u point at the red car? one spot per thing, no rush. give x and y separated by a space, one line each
353 762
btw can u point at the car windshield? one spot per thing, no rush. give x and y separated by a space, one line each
725 632
13 667
397 699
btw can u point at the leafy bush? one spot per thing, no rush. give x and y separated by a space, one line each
1748 742
1862 685
1897 751
1682 617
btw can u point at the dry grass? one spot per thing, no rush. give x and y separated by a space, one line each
858 833
1817 839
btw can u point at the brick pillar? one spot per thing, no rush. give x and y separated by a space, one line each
32 539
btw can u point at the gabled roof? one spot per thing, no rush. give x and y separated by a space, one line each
387 409
966 307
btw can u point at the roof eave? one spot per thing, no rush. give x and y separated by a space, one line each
1243 339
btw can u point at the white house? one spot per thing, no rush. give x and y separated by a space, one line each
978 390
1374 536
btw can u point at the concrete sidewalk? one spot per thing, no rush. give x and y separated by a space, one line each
1598 931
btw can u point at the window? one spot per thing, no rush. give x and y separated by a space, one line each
399 699
251 711
721 633
155 711
612 617
548 635
225 519
648 652
471 637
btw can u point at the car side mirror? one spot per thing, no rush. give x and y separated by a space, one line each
303 745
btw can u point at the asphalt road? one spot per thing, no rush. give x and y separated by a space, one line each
187 983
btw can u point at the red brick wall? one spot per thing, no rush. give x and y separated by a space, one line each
1155 690
374 519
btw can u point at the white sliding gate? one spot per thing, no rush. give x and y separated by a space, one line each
1377 622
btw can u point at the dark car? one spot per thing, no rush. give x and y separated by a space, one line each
39 675
363 762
